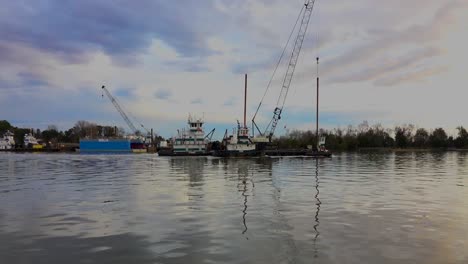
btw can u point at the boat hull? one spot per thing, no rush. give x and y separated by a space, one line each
298 152
319 154
171 153
235 153
139 150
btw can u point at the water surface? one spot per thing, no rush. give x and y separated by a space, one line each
353 208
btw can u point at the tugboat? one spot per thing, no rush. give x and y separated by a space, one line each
8 141
188 142
321 151
30 142
239 144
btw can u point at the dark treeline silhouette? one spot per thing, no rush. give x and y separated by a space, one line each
351 138
81 129
376 136
52 135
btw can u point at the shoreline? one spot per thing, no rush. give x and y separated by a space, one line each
413 149
276 152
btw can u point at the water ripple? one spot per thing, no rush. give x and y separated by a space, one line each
353 208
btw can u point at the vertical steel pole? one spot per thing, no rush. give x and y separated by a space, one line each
317 111
245 102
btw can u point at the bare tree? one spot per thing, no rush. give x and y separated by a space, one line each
52 128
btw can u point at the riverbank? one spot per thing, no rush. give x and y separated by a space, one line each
411 149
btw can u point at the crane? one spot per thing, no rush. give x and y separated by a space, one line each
120 110
306 12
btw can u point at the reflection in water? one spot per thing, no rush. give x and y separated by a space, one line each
244 182
318 203
118 248
191 166
244 211
378 208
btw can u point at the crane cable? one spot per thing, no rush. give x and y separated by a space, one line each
306 27
278 63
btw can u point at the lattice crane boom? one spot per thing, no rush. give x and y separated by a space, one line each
120 110
270 130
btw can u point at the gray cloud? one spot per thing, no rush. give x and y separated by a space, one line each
246 67
386 66
70 29
230 101
163 94
197 101
27 81
369 61
124 92
417 75
30 79
188 65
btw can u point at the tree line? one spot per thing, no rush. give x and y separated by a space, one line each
52 135
376 136
351 138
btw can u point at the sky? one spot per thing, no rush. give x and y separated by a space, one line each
387 62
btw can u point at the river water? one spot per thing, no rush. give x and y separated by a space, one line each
352 208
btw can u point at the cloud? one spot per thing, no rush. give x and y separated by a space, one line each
202 49
231 101
197 101
246 67
124 92
187 65
23 81
387 66
163 94
413 76
369 60
38 108
29 79
70 29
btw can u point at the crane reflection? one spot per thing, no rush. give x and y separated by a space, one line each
244 181
317 203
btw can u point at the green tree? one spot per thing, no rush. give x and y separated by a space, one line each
421 138
19 135
401 140
4 126
462 140
438 138
52 136
403 135
450 142
52 127
70 136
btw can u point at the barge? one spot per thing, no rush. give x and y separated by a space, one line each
105 145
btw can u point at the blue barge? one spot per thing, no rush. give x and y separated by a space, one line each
105 146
